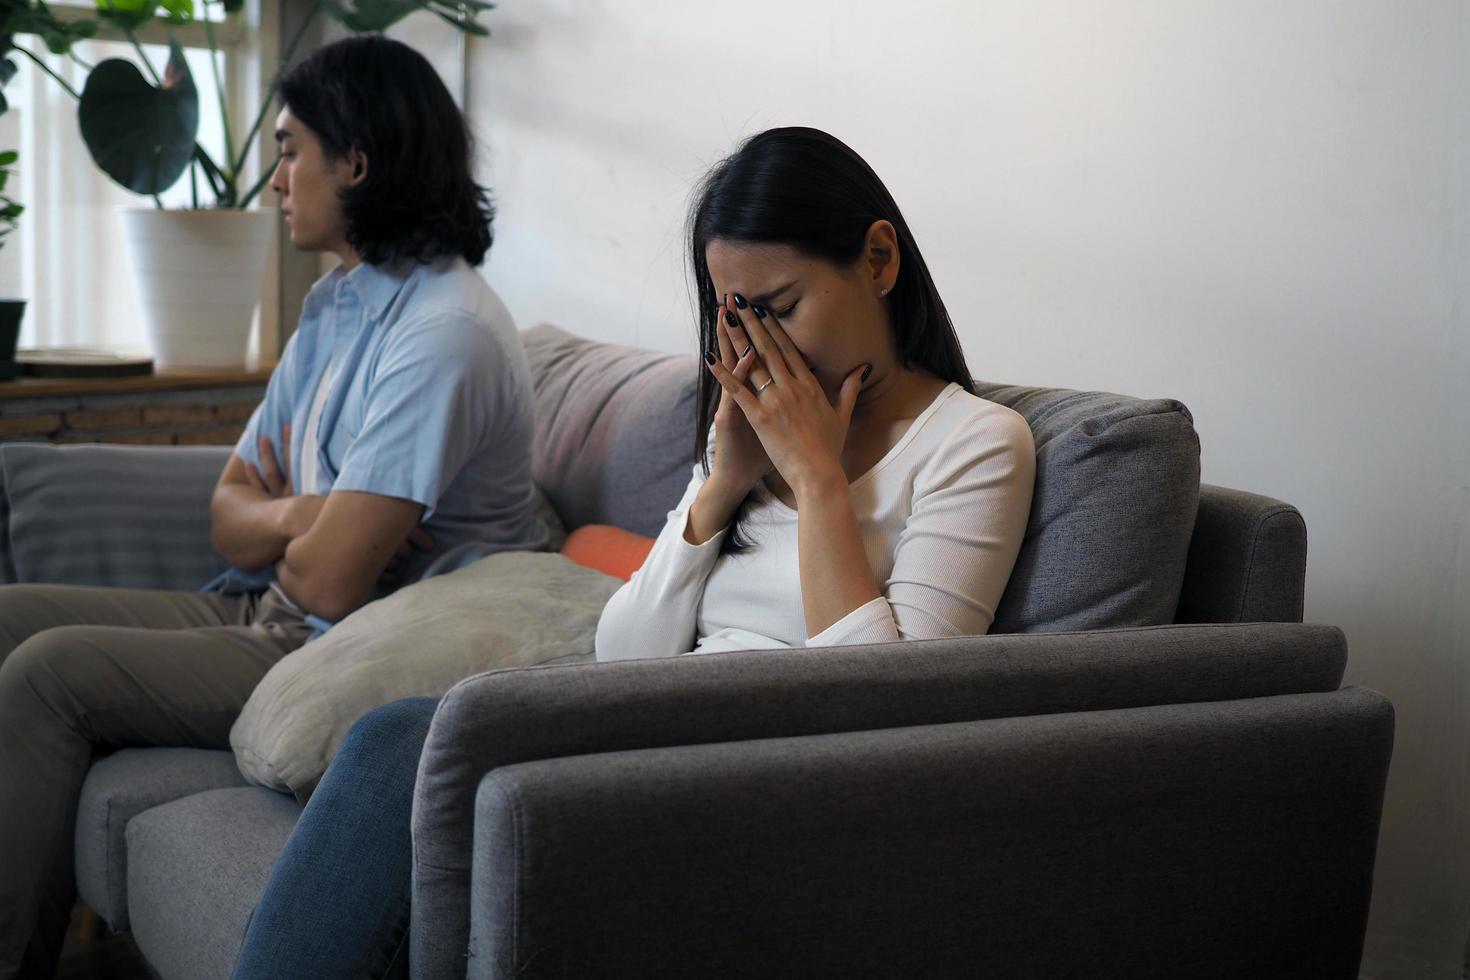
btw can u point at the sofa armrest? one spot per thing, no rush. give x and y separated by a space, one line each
108 515
1247 560
1135 843
507 717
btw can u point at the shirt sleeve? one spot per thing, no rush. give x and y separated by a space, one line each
275 410
654 614
972 501
430 404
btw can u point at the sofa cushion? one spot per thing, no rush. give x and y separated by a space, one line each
1117 489
614 429
199 866
118 788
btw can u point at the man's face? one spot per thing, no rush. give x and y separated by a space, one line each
310 186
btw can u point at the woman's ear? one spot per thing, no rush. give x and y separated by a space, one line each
880 254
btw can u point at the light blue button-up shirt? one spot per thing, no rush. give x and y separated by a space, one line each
430 400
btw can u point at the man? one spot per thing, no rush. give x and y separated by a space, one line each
393 443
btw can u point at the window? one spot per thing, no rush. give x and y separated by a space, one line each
66 259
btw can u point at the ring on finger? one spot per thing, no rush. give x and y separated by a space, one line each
769 382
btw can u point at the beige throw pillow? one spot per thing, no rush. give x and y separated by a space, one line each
515 609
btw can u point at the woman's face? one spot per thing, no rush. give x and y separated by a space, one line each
835 316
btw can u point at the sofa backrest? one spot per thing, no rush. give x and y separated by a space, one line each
108 515
1117 478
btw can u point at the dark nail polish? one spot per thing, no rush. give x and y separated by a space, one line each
759 311
740 302
709 357
867 371
731 318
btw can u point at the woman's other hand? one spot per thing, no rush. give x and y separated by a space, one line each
740 461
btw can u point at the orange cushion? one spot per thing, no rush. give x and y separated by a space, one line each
610 550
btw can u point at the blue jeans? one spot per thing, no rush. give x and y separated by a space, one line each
337 901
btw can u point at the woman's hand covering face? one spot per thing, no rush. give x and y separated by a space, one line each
764 378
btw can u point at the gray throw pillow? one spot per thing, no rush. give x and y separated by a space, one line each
614 429
1117 489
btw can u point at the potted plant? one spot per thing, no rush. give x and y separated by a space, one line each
11 310
199 269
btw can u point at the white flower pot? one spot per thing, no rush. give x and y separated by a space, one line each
198 275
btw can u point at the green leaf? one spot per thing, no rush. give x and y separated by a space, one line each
57 35
140 136
234 6
8 69
366 16
127 14
179 11
8 158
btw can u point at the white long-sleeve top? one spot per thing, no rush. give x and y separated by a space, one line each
941 517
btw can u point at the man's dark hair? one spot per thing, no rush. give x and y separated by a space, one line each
419 199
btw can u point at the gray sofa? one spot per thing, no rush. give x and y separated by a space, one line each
1147 769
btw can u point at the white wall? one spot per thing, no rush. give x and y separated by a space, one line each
1260 208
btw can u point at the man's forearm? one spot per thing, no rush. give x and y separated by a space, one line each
339 546
248 527
326 580
328 592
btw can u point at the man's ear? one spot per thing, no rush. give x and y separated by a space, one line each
880 255
357 164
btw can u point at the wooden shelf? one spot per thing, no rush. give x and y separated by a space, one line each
176 380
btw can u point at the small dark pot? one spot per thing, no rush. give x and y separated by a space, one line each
11 310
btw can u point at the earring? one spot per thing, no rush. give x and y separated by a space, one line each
883 292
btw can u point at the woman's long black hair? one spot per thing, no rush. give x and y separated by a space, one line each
420 199
806 189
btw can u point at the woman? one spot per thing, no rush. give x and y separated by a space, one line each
849 488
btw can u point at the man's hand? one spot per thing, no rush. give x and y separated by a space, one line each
271 478
298 512
418 540
255 511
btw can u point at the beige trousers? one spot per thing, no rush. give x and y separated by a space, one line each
85 670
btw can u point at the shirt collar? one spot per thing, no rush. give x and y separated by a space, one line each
377 285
